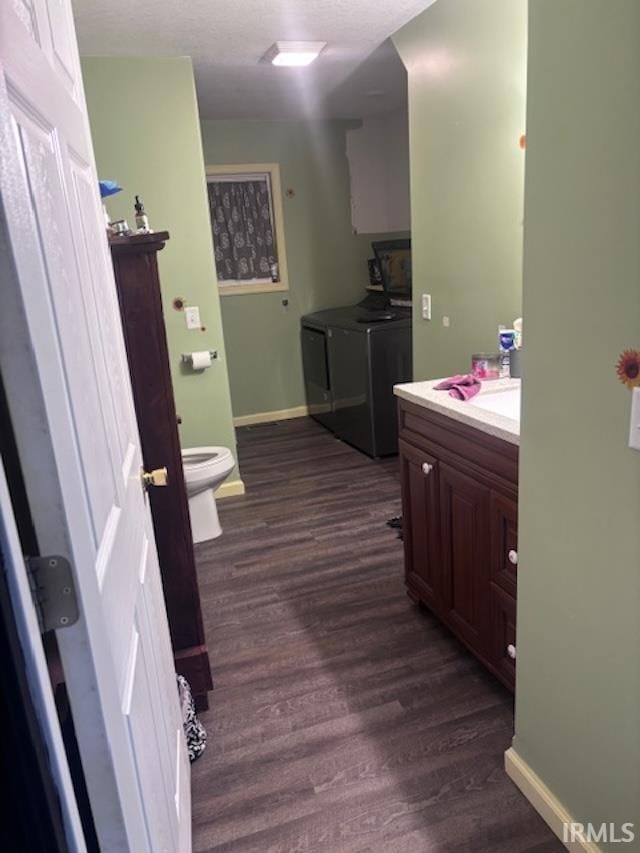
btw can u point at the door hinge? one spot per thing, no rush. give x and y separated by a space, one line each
53 592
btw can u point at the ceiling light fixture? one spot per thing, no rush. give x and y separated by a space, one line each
294 53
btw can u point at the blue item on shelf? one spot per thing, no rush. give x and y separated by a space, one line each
108 188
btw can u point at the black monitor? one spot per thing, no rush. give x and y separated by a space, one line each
394 260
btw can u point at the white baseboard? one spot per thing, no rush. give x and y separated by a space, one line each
543 800
230 489
269 417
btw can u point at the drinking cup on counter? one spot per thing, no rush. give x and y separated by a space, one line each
515 364
485 365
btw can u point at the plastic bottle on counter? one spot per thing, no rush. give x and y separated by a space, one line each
517 326
506 342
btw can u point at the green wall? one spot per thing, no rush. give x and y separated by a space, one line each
466 64
578 687
327 262
146 135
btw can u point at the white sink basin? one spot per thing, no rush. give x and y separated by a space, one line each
505 402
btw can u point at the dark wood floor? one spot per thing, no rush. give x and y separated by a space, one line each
344 718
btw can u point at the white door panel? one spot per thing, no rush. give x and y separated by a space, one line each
36 667
63 44
64 364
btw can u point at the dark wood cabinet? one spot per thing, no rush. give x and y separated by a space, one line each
419 478
459 504
464 531
138 285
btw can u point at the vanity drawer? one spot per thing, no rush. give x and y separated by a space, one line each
503 629
504 542
488 458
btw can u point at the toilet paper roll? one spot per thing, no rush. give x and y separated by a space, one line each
201 359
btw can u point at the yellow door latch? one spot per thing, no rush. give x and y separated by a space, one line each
157 477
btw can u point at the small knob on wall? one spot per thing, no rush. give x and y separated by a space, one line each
427 468
511 651
513 557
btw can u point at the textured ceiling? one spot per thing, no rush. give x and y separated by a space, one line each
358 74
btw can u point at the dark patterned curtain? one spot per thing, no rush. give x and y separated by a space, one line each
242 229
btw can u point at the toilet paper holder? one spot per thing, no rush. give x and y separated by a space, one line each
187 357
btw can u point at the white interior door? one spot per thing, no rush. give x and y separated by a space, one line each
64 367
36 668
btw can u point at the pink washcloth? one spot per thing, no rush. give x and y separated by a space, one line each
462 386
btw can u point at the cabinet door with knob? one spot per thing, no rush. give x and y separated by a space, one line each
504 542
419 476
503 635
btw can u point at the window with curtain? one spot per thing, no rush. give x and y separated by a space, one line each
245 231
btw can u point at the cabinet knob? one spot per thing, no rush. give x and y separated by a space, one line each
427 467
511 651
513 557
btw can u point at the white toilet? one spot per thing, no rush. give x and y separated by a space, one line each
205 468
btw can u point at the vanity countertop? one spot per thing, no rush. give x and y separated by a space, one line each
495 410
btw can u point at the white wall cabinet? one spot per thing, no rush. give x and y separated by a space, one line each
378 154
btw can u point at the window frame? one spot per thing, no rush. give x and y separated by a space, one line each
245 170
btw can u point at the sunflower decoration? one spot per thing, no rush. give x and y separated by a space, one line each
628 368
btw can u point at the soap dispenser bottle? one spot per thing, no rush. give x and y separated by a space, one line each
142 220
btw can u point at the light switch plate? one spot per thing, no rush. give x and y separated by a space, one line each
634 427
426 306
192 317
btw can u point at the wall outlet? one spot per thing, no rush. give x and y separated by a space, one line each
446 322
192 317
426 306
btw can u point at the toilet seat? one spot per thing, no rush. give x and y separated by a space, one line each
205 463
